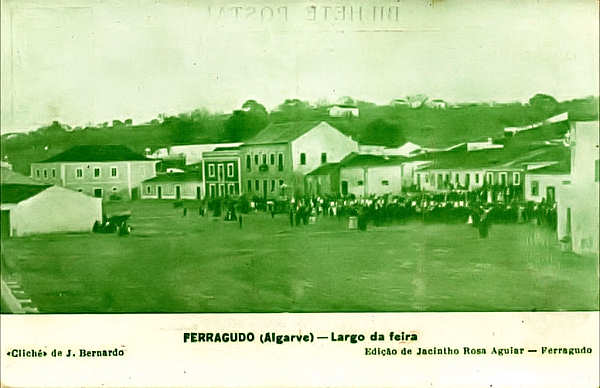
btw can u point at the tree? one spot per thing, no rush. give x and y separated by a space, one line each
293 109
382 132
544 104
246 122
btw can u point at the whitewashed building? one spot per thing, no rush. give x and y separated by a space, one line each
365 175
103 171
35 209
578 199
542 184
275 161
343 111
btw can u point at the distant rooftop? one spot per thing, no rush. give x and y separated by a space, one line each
96 153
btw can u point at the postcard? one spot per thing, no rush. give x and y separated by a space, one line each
294 193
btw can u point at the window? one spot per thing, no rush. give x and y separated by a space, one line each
148 189
467 180
45 174
324 157
248 162
516 178
280 162
476 177
360 183
113 172
229 169
385 183
79 173
597 170
456 179
502 178
249 185
114 189
220 170
96 172
80 190
489 178
37 173
264 158
211 170
256 159
272 157
280 182
256 185
302 158
535 188
273 185
53 173
231 189
98 193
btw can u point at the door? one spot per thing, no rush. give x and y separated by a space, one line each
177 192
159 191
344 187
5 223
98 193
550 194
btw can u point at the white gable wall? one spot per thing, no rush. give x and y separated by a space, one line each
55 210
377 175
323 138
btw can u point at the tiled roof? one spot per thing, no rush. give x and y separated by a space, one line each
514 155
283 132
560 168
96 153
15 193
356 160
176 177
325 169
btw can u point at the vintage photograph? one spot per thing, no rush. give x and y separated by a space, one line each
365 156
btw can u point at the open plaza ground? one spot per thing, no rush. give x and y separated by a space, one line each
172 263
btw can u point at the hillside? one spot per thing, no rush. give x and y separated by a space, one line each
383 125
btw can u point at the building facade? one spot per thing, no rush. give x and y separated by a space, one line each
543 184
578 198
108 172
39 209
275 161
366 175
222 172
177 185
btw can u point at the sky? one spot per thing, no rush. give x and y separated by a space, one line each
91 61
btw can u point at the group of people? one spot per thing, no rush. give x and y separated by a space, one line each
450 207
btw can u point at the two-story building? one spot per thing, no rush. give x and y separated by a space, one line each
222 172
102 171
276 160
578 198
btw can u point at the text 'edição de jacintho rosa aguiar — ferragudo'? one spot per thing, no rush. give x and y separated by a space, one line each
382 343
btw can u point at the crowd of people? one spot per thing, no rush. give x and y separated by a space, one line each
478 208
474 208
